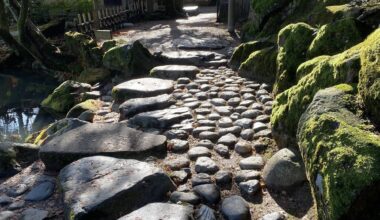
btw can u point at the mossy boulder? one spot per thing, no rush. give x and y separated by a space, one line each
56 128
64 97
130 59
88 105
13 154
336 37
341 155
318 73
243 51
94 75
293 42
369 76
85 49
260 65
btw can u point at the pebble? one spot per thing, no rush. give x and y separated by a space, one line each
203 111
7 215
209 193
263 133
17 190
206 165
233 130
205 143
178 145
259 146
224 110
180 176
243 148
234 101
252 163
41 192
241 109
244 123
198 130
252 113
259 126
235 208
245 175
34 214
249 188
183 80
225 122
176 134
214 116
223 178
17 205
218 102
200 178
235 116
247 134
5 200
262 118
247 103
222 150
187 197
204 213
228 140
196 152
226 95
209 135
274 216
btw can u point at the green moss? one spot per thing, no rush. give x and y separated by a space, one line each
243 51
130 59
293 42
369 76
88 105
260 65
342 157
94 75
322 72
65 97
335 37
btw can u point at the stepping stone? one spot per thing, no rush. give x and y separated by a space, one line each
196 152
245 175
94 184
160 119
140 88
196 43
177 163
209 193
229 140
252 163
223 177
116 139
155 211
200 178
41 192
204 213
34 214
189 197
249 188
206 165
134 106
174 72
235 208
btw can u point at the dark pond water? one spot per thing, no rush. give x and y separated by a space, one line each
21 91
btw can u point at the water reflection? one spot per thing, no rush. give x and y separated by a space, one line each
17 123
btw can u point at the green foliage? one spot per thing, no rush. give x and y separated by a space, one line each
293 42
335 37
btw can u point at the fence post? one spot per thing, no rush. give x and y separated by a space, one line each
231 16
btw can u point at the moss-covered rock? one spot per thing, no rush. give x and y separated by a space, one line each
369 76
64 97
336 37
130 59
318 73
94 75
260 65
293 42
243 51
341 155
88 105
56 128
85 49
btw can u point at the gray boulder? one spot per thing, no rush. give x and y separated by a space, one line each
284 170
106 188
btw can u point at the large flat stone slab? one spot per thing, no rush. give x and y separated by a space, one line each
174 72
115 140
140 88
134 106
160 119
158 211
207 43
190 57
107 188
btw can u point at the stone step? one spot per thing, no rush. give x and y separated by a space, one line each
174 72
107 188
140 88
115 139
